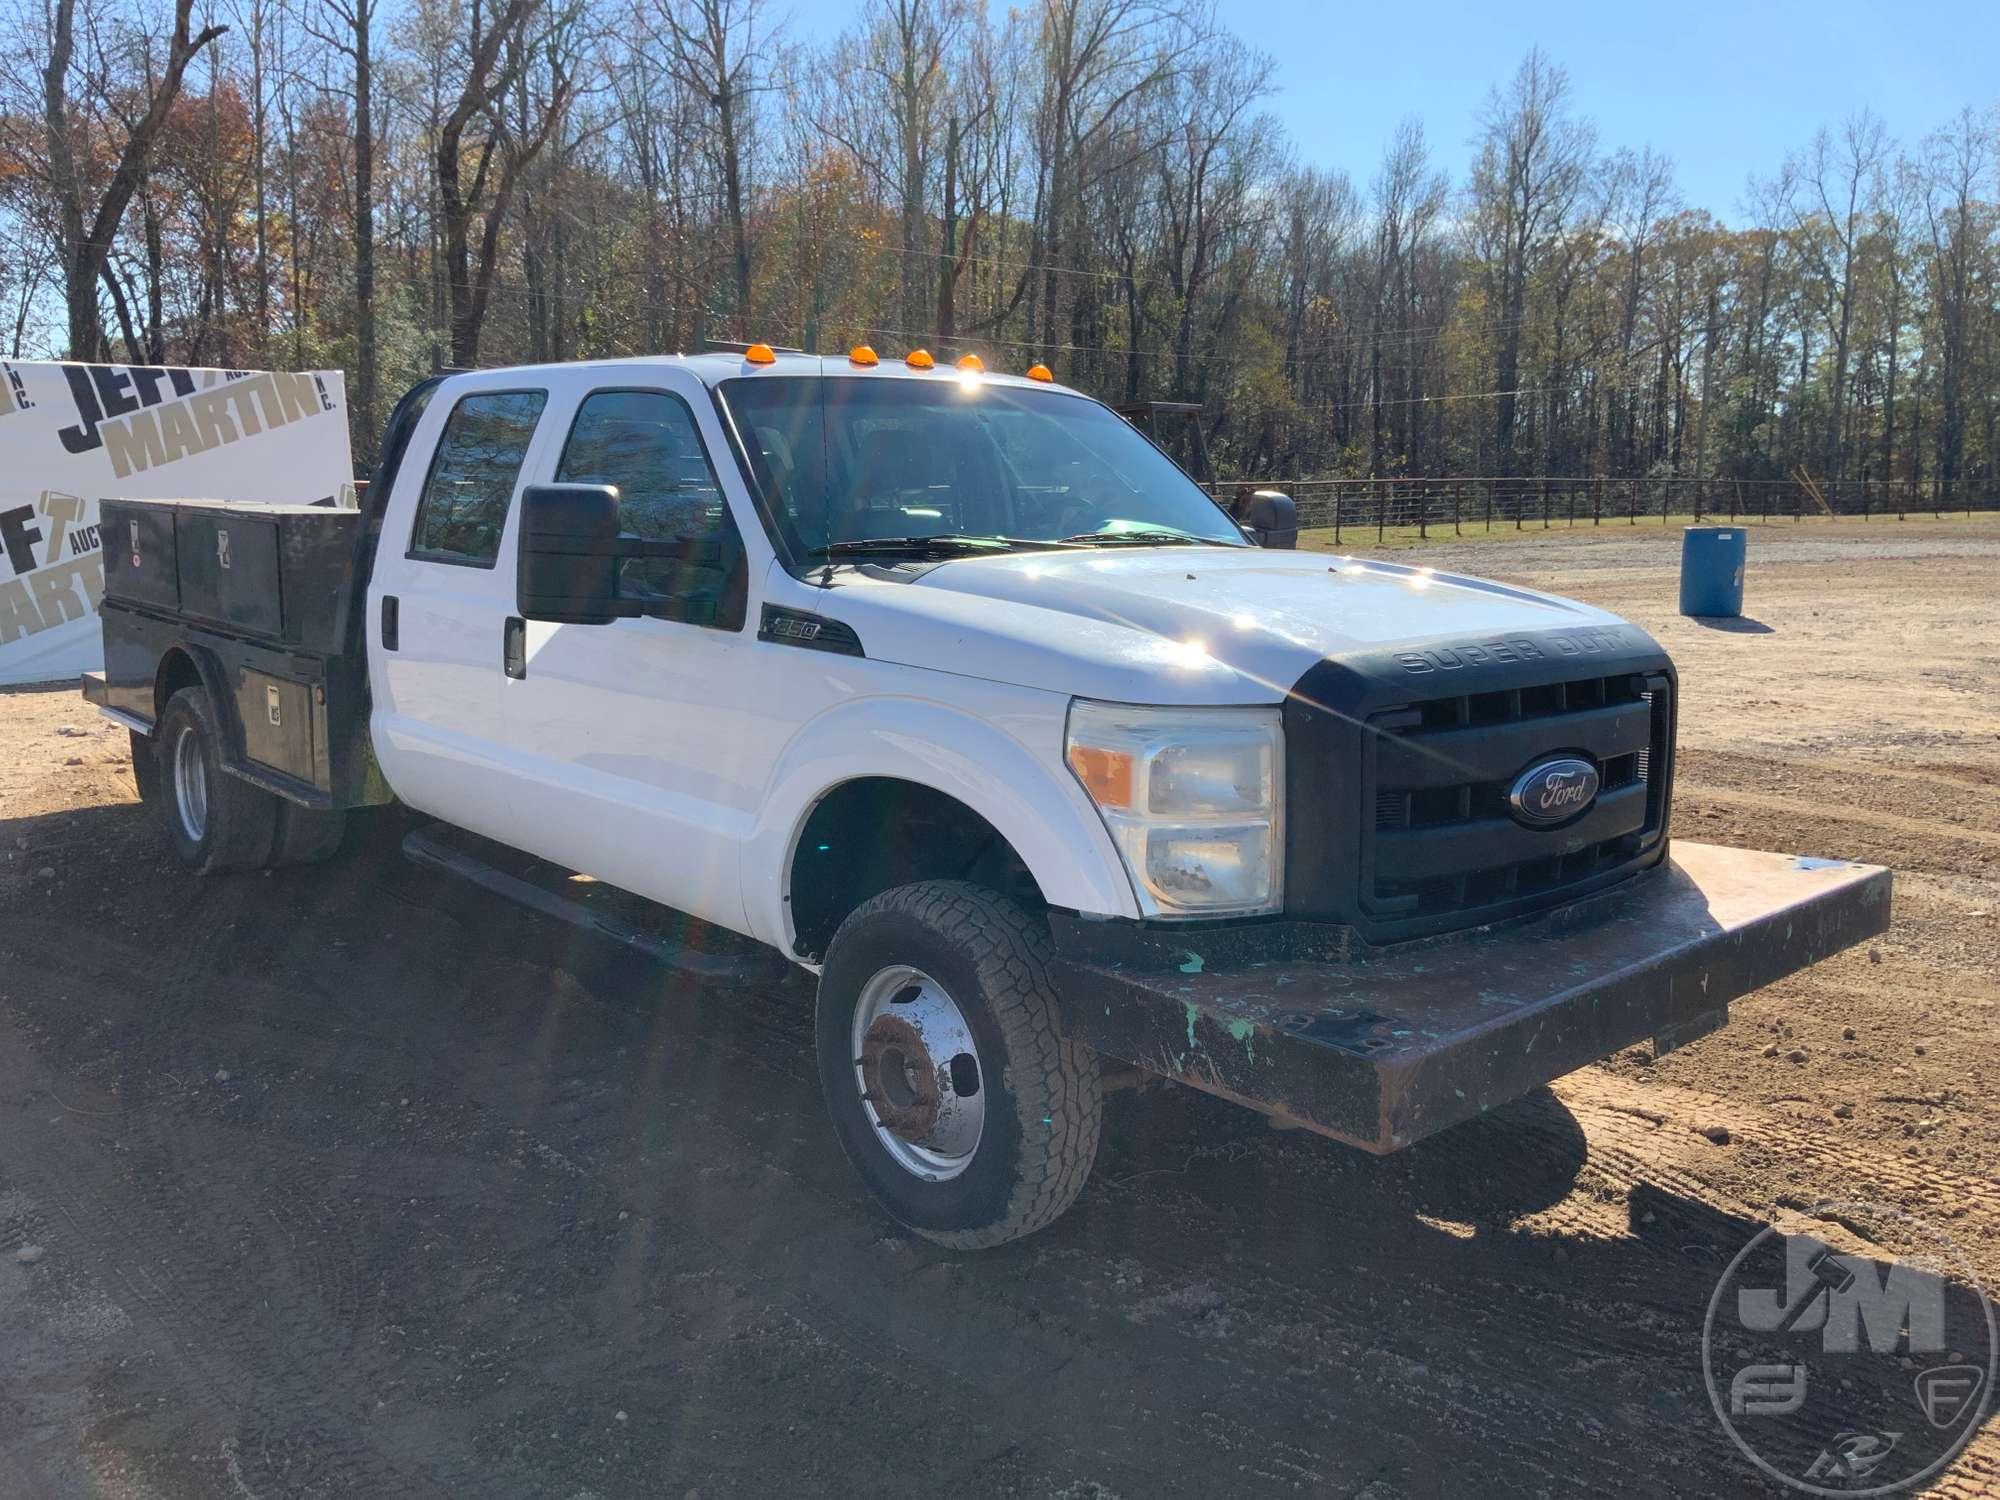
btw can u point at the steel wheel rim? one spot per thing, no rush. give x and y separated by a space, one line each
191 782
918 1071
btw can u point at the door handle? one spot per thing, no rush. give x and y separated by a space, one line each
514 647
389 622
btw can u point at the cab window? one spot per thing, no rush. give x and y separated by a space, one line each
463 507
646 444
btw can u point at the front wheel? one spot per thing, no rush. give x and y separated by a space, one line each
942 1058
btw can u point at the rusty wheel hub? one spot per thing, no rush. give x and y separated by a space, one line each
918 1072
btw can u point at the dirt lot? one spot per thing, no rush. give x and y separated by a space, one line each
350 1181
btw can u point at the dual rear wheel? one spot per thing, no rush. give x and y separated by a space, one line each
217 822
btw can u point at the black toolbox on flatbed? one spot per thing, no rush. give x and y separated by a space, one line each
265 602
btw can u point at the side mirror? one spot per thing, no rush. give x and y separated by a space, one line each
1272 520
568 557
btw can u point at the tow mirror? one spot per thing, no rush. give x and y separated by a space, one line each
1272 519
570 549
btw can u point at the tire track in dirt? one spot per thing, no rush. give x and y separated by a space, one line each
1650 1133
1885 822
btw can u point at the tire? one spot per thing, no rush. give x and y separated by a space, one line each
1041 1109
306 835
145 767
227 824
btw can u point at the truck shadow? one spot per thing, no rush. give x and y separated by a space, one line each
644 1211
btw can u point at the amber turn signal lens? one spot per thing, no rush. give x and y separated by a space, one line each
971 363
1040 372
1105 774
862 355
919 359
759 354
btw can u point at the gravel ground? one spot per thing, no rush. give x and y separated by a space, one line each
351 1181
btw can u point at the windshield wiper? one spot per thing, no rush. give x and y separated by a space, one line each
927 546
1143 538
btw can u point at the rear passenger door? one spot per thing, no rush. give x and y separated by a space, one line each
440 604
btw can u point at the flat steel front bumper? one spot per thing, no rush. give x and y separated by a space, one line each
1389 1045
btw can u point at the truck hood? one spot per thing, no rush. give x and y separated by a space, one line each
1181 625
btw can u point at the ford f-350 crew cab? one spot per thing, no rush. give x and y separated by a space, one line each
953 689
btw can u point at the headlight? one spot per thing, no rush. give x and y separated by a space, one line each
1194 800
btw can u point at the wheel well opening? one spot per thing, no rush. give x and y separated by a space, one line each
874 834
177 671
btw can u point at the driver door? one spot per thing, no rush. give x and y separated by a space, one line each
647 731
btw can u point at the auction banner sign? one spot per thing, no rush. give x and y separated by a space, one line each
72 435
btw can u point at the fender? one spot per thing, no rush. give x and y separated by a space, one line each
215 681
1031 801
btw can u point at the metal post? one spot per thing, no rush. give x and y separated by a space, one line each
1336 515
1458 504
1597 502
1381 507
1424 511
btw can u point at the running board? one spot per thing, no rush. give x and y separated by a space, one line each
664 935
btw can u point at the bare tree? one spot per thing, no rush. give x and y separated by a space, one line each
1409 194
1955 169
1533 163
1826 190
497 56
715 49
1097 57
1641 194
87 230
349 27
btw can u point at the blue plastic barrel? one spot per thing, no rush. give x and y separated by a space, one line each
1712 571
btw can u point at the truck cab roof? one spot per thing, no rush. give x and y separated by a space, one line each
712 369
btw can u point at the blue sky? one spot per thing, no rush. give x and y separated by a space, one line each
1724 89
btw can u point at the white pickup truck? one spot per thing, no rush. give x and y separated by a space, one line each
951 688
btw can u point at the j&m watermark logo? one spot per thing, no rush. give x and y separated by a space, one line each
1840 1373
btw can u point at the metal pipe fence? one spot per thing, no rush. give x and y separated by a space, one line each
1452 506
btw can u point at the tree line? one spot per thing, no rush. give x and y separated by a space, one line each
387 186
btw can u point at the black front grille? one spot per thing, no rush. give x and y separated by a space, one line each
1437 773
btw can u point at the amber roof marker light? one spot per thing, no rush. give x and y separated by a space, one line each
759 354
920 359
863 356
1041 373
972 364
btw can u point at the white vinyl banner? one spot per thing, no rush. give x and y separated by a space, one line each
71 435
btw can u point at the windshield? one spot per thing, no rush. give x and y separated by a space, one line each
851 466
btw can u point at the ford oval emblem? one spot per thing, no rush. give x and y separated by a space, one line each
1553 791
